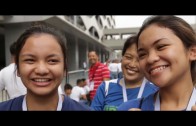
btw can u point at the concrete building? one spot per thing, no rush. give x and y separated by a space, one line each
83 33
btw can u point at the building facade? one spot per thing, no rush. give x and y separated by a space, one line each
83 34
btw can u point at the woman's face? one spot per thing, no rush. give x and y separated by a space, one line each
162 56
130 65
41 64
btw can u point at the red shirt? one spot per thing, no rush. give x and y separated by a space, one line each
97 73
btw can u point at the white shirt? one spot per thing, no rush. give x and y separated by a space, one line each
86 89
113 67
119 67
76 93
11 82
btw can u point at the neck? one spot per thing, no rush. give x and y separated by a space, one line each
176 97
131 84
94 63
43 103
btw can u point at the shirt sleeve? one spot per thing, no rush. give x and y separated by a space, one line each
2 84
99 99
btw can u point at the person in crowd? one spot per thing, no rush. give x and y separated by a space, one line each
107 62
111 94
9 80
113 68
78 91
167 54
86 91
67 89
98 72
41 64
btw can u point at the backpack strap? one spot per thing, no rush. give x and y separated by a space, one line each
107 85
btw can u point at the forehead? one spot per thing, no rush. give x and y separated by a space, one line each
92 54
41 42
131 49
155 32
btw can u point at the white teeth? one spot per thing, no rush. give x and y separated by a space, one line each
131 71
158 69
41 80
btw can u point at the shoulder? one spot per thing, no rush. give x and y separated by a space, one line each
151 86
12 104
145 103
129 104
101 66
8 69
72 105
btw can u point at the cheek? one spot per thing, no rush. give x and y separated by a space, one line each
59 72
142 65
24 70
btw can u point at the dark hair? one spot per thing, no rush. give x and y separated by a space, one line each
78 81
39 28
83 79
67 86
13 48
179 27
94 52
129 42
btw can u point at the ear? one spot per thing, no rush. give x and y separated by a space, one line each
192 54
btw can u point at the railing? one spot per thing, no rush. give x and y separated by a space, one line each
4 96
72 76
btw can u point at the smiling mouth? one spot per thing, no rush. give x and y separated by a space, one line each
158 69
42 81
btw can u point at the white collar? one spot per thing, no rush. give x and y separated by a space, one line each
59 106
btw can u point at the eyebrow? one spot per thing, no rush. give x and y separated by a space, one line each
157 41
52 55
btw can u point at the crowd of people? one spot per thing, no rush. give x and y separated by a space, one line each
147 78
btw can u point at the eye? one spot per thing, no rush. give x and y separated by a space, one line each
161 47
128 57
53 61
29 61
141 55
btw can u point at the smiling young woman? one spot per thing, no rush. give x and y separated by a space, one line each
41 64
167 53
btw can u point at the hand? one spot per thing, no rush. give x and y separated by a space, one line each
193 108
137 109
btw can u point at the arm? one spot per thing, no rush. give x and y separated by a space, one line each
99 99
83 94
2 84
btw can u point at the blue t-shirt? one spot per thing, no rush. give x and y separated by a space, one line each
114 98
145 104
16 105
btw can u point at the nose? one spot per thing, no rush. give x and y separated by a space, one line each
133 62
153 57
41 68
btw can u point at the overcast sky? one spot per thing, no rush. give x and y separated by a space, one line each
136 21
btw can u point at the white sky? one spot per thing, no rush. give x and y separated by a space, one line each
136 21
